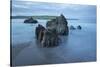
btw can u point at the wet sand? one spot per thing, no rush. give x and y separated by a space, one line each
17 49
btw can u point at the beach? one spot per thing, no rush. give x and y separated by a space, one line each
78 46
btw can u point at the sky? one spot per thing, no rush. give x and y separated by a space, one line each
30 8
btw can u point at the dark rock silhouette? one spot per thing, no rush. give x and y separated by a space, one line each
72 27
59 24
39 32
30 20
79 27
46 37
50 38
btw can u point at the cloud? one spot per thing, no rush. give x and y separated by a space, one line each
42 8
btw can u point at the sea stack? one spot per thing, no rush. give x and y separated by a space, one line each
72 27
30 20
46 37
50 38
39 32
79 27
60 24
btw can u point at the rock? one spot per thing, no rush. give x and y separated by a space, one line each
72 27
30 20
39 32
50 38
60 24
46 37
79 27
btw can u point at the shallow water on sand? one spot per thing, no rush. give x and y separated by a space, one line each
78 46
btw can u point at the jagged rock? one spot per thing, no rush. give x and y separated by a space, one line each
72 27
79 27
60 24
46 37
39 32
30 20
50 38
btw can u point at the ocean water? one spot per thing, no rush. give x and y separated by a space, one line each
78 46
22 32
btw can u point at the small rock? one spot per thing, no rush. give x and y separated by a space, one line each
30 20
72 27
79 27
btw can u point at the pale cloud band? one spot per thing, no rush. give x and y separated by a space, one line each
42 8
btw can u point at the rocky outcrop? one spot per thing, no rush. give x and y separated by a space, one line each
60 24
50 38
30 20
72 27
39 32
46 37
79 27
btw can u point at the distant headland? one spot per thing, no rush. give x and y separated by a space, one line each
39 17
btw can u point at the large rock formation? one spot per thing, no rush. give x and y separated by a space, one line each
59 24
30 20
46 37
50 38
39 32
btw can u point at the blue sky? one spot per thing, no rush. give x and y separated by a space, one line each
41 8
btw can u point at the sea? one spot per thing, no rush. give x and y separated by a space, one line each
78 46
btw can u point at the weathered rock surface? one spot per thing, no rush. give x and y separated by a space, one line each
59 24
39 32
50 38
46 37
30 20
